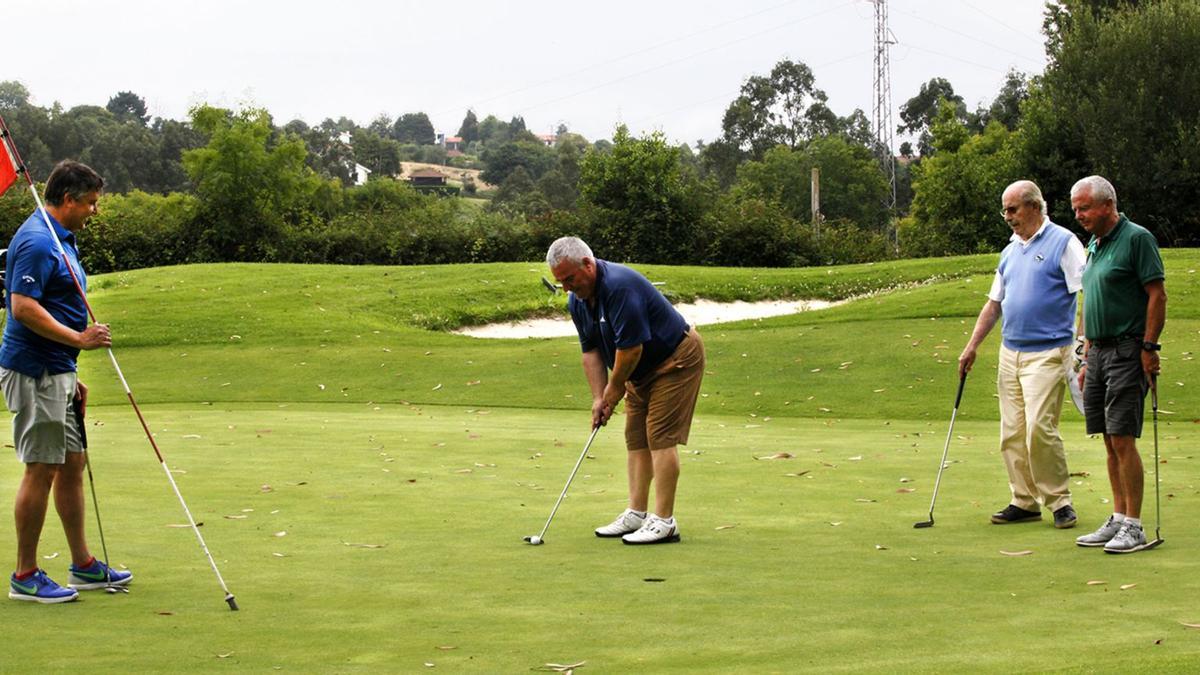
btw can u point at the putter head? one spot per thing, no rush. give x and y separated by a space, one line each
550 286
233 607
1154 544
924 523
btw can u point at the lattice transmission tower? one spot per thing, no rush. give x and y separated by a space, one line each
881 116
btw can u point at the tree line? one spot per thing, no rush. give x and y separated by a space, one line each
1120 97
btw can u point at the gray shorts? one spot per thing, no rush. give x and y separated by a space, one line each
44 427
1114 389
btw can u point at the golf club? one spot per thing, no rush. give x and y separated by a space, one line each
77 405
1158 540
945 450
539 539
550 286
18 166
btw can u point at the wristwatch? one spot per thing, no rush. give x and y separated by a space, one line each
1148 346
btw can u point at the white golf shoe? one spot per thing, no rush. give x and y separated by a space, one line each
628 521
654 531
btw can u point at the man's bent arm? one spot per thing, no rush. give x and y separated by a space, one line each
34 316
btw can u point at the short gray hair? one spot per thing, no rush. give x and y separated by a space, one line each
1029 193
1098 186
568 248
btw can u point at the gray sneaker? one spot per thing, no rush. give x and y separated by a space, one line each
1129 539
628 521
1101 536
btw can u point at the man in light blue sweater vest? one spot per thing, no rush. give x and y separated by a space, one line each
1034 289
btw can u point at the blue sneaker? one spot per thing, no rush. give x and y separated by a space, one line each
39 588
96 575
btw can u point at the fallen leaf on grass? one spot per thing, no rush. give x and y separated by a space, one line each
1127 586
199 524
265 488
778 455
446 648
1189 625
191 436
880 547
1016 553
856 458
561 667
835 523
905 480
906 490
281 533
1081 474
797 475
52 556
354 545
439 386
465 471
237 517
224 656
865 501
1096 582
165 613
279 555
726 527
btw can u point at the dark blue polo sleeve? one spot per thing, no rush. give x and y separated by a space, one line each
627 314
32 265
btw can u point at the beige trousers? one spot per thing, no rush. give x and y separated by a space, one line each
1031 386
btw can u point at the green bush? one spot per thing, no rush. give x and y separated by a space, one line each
136 230
755 233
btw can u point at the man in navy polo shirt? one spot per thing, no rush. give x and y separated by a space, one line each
46 328
657 363
1034 289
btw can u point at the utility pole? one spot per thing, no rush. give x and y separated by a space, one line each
881 116
816 202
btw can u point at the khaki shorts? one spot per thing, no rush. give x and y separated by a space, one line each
44 428
658 409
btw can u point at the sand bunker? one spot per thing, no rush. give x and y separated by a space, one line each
700 313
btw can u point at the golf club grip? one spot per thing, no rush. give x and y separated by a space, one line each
77 406
961 381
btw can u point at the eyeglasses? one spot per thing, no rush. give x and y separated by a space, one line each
1009 210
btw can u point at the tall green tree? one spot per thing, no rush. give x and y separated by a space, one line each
784 107
468 131
1121 98
128 106
918 113
641 204
248 186
500 161
414 128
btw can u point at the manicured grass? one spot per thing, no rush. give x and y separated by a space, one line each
402 503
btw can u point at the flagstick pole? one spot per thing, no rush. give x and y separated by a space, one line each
19 168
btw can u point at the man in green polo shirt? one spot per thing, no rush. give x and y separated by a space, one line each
1124 309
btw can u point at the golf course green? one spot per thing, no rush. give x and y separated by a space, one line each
364 479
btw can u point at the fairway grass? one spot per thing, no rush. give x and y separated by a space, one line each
365 479
385 538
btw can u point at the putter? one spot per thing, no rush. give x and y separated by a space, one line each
538 539
946 449
550 286
77 405
1158 540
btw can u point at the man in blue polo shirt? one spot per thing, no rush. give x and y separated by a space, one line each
1124 311
1034 290
657 363
46 328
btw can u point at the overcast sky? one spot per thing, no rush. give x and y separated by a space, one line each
669 65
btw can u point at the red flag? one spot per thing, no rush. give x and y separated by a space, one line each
8 170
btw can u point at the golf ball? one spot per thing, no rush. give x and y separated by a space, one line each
535 540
